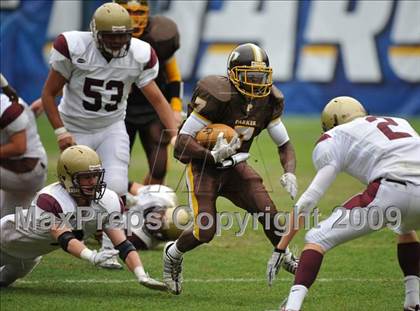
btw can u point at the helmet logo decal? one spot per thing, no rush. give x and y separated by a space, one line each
258 64
119 28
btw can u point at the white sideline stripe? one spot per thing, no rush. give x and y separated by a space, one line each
225 280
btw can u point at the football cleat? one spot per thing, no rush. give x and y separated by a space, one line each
172 271
283 306
111 264
290 262
413 308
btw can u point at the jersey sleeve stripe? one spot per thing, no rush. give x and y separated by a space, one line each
322 138
153 59
10 114
49 204
60 44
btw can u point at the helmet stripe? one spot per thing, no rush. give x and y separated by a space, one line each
257 53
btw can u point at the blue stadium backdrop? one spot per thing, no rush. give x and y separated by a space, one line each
318 49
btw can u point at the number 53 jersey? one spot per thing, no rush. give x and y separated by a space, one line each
372 147
95 95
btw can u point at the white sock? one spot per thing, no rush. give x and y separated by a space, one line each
174 252
296 296
412 293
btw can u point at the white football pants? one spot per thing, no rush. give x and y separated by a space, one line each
113 147
395 205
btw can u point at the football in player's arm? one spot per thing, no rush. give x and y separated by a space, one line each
80 186
246 101
382 152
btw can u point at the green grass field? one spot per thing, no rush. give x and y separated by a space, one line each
229 273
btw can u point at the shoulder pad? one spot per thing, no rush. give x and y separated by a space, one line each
140 50
277 98
111 202
218 87
277 94
78 41
162 28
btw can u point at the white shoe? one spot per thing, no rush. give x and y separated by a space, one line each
290 262
172 271
111 263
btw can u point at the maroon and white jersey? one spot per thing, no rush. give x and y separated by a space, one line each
96 93
27 234
372 147
18 117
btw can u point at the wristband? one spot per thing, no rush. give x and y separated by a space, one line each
59 131
281 251
86 254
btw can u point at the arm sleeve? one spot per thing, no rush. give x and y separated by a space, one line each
278 132
19 124
150 70
60 59
13 119
193 125
316 189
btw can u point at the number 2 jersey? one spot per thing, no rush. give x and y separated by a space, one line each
95 95
371 147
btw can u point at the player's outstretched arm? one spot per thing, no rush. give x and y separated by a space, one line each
129 255
52 88
304 206
72 245
288 162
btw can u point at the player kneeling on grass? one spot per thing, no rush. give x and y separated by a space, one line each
55 214
381 152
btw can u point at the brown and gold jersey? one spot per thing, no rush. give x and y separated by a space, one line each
216 100
162 34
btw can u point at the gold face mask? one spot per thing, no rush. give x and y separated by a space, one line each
139 13
252 81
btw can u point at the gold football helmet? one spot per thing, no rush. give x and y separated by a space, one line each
111 28
249 70
139 13
77 162
162 201
340 110
175 220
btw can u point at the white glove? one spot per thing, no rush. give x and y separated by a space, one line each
223 149
273 265
288 181
95 257
283 258
145 280
233 160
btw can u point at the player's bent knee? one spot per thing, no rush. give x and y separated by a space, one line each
315 236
